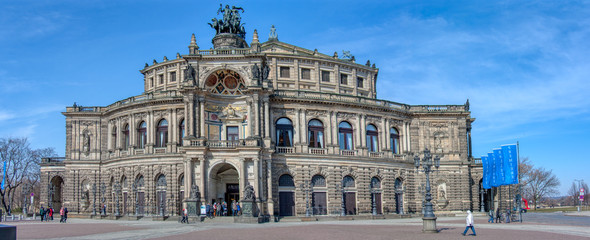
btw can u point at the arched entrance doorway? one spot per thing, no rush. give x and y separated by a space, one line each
56 192
286 195
224 184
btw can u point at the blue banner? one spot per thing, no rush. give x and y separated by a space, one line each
487 178
3 176
510 164
498 157
493 169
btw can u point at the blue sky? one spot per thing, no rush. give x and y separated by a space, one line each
523 65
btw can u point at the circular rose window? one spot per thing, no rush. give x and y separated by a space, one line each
230 82
211 80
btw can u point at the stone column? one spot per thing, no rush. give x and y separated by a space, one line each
202 117
256 115
242 174
270 202
132 133
266 118
172 126
250 117
188 120
188 176
203 182
383 141
328 130
257 178
296 127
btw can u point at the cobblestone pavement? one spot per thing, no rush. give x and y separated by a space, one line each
538 227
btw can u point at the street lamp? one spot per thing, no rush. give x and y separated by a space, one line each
94 199
117 192
102 191
481 202
429 219
374 201
305 187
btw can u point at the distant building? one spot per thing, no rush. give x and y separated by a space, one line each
304 129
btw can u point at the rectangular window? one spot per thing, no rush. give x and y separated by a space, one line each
284 73
305 73
152 82
343 79
325 76
173 77
232 133
161 78
359 82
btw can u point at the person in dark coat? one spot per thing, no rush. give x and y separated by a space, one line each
65 215
498 216
42 213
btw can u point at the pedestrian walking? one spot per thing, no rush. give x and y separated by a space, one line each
65 215
498 216
234 208
61 213
42 213
491 215
469 223
239 208
184 216
51 213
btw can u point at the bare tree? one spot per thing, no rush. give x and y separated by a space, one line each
22 164
573 194
541 183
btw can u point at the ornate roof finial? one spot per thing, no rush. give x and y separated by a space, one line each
272 36
335 55
146 65
193 47
255 37
368 64
155 62
315 51
177 55
165 59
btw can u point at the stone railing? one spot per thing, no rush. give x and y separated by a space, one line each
367 101
233 51
318 151
224 143
160 150
53 160
348 152
284 149
376 154
134 99
139 151
338 98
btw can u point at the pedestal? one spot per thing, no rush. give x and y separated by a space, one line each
429 225
192 207
249 208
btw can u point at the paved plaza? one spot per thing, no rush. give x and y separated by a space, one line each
536 226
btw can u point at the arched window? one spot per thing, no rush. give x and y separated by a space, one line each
394 140
114 138
284 132
162 133
348 181
318 181
141 135
345 136
315 134
181 131
126 136
372 138
375 182
286 181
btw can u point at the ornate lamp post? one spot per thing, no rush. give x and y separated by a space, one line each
429 219
134 186
94 199
50 192
305 186
342 203
161 204
482 206
374 202
102 191
117 192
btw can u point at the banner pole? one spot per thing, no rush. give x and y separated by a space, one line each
519 183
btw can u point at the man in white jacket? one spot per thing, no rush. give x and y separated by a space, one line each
469 223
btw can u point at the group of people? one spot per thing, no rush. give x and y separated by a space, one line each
47 214
497 215
218 209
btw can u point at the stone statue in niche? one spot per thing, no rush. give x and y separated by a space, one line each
86 143
195 194
189 74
